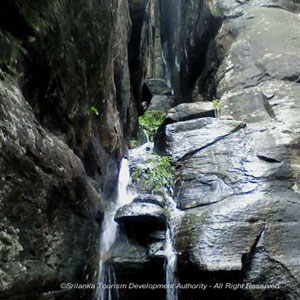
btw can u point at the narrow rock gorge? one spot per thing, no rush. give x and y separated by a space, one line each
67 113
149 145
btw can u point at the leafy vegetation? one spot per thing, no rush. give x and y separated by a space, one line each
132 143
217 106
94 110
151 120
158 174
132 249
168 211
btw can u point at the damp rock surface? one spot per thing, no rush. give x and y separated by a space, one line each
75 75
238 185
188 111
139 213
66 115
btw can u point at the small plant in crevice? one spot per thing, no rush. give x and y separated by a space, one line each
132 143
158 174
217 107
132 249
151 120
168 211
94 110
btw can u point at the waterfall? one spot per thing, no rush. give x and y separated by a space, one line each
171 11
145 132
170 268
124 196
107 274
170 253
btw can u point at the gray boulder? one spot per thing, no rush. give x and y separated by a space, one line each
189 111
157 86
139 219
150 198
161 103
184 139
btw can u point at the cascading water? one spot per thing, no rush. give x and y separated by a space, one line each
171 11
124 196
170 268
170 253
107 274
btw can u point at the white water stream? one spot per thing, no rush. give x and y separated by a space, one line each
125 196
171 255
170 268
110 227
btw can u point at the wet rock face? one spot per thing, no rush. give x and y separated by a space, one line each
266 60
157 86
239 184
188 31
139 219
241 201
244 40
141 46
189 111
197 135
232 8
45 197
187 28
138 253
62 60
66 109
161 103
150 198
65 115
